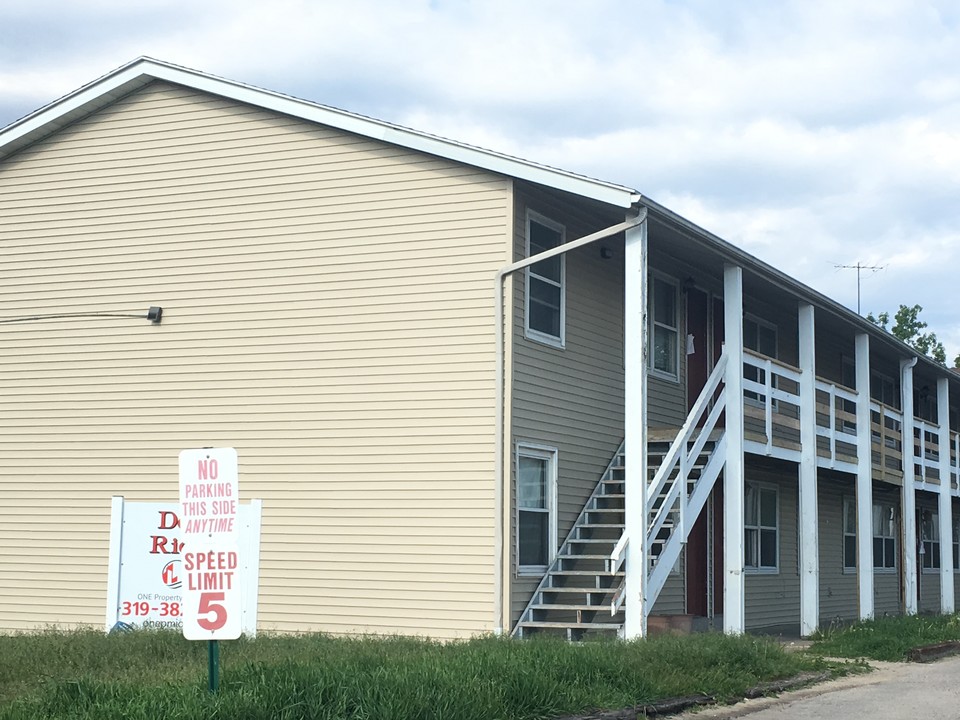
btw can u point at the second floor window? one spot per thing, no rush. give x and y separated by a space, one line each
664 328
761 337
545 282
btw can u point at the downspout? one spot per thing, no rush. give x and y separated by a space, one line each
500 451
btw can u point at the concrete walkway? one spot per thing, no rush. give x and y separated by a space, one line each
893 691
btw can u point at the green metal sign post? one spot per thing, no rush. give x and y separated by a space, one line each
213 665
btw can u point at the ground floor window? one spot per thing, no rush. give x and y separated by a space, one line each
884 537
849 534
536 507
956 544
929 540
760 527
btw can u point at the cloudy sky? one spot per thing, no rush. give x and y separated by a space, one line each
812 133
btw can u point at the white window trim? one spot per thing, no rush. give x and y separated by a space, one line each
528 332
541 452
654 275
934 520
762 570
847 502
954 544
896 541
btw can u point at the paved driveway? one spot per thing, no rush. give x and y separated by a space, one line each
894 691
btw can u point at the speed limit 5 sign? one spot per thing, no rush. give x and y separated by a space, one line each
209 507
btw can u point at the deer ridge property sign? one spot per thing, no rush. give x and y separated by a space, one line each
211 563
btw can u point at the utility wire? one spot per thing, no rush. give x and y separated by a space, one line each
60 316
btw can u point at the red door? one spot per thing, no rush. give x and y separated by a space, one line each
698 369
706 347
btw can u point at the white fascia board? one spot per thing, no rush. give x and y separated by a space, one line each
137 73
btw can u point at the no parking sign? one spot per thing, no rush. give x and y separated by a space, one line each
211 567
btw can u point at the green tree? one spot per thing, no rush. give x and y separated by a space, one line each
908 326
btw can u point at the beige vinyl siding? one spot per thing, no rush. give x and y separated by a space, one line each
773 598
570 398
328 311
838 588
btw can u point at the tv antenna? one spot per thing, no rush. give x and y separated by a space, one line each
858 267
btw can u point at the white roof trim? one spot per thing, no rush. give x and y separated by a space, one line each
137 73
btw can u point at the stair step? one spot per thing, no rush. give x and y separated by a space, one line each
574 625
571 606
595 573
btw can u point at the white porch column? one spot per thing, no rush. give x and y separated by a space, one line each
734 614
635 424
908 497
945 506
864 481
809 546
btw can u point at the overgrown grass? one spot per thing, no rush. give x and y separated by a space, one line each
889 638
87 675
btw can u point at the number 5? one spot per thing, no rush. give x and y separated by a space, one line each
207 605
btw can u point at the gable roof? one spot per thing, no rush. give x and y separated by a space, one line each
134 75
142 71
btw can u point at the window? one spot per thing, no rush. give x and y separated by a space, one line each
956 544
883 389
760 527
536 501
849 534
761 337
545 282
929 540
665 328
884 537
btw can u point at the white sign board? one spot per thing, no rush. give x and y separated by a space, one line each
209 509
145 578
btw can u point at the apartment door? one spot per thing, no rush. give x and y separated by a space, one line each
699 363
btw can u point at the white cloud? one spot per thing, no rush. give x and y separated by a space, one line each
812 133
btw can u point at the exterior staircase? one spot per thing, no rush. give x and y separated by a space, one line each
582 593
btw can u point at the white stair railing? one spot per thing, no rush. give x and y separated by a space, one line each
669 495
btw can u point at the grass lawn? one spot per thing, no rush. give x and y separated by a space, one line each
153 675
889 638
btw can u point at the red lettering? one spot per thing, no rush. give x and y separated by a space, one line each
207 469
159 545
168 520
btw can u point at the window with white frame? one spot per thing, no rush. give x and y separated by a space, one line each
849 534
956 544
761 337
536 507
884 537
929 540
545 282
664 327
760 527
